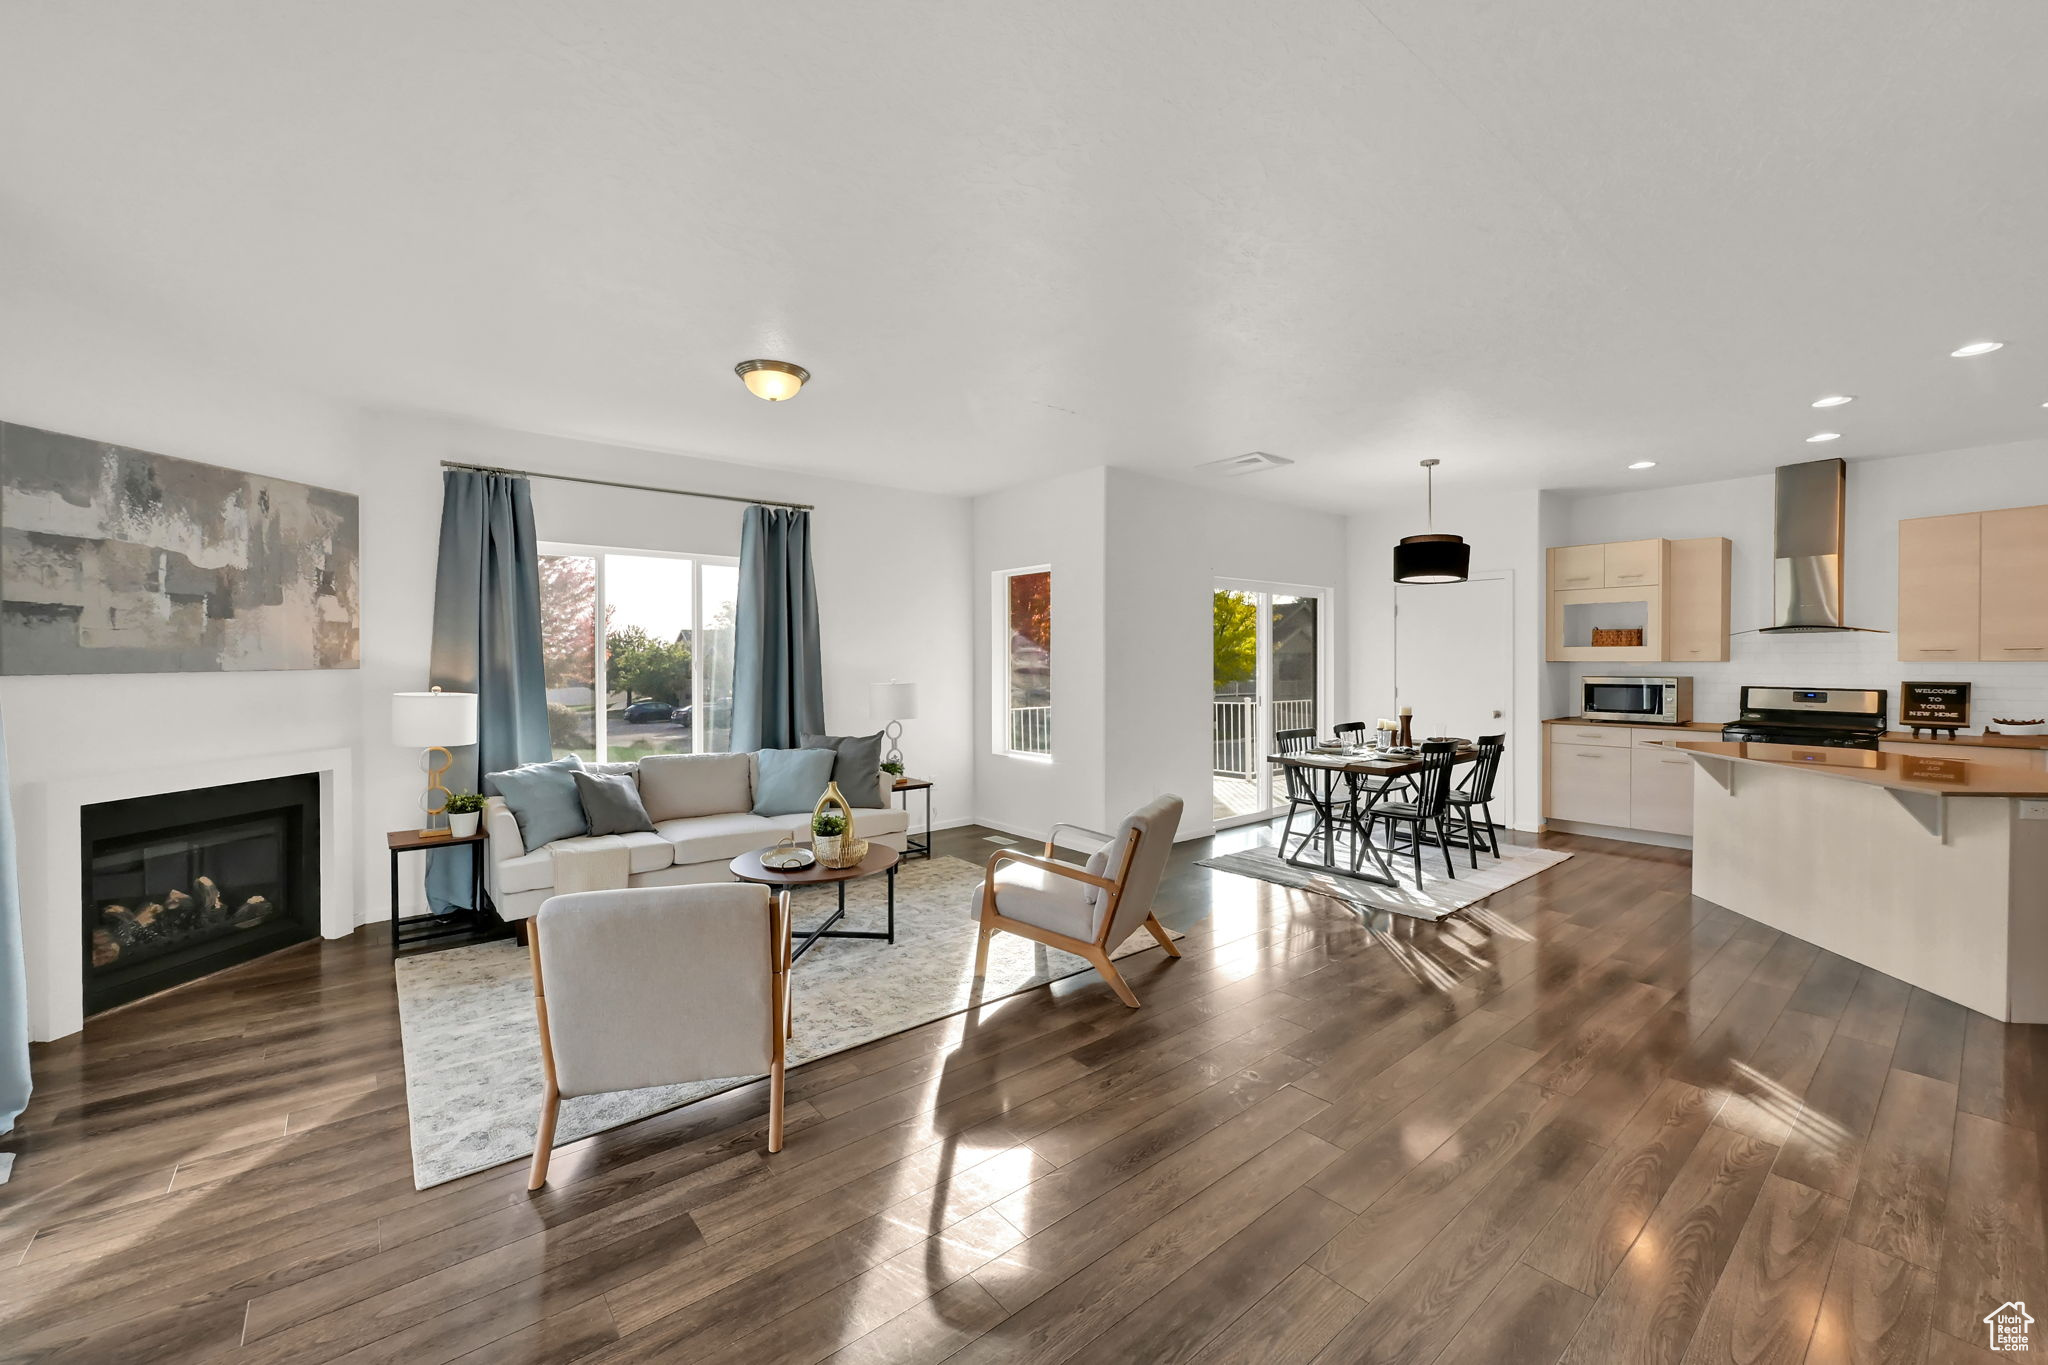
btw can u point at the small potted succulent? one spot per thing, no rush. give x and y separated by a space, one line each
465 809
827 829
894 767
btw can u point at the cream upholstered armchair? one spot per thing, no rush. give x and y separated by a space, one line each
1086 911
656 986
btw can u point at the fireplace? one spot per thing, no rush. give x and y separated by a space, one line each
180 884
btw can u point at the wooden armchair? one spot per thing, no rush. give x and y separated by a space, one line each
1085 911
659 985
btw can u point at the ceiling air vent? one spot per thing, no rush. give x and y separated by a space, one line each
1250 463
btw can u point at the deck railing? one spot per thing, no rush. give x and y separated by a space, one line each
1031 729
1234 741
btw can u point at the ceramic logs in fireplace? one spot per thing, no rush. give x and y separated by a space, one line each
185 883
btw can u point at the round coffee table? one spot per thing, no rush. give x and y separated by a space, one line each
880 859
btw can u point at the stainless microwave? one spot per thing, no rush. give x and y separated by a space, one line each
1646 701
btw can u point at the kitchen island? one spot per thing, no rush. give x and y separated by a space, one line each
1930 869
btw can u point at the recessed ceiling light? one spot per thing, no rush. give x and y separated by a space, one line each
1834 400
1977 348
1823 436
1652 464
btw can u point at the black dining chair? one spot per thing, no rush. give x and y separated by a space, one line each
1301 791
1476 792
1423 813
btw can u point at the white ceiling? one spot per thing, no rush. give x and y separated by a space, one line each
1536 240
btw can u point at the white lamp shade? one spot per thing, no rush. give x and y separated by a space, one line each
430 720
893 701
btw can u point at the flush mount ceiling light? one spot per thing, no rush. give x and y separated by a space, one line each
1976 348
1834 400
773 380
1819 436
1432 558
1644 464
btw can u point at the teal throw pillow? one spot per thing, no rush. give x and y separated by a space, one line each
542 798
790 781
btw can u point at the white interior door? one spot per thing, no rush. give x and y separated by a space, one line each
1454 663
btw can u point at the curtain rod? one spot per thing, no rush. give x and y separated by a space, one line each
633 487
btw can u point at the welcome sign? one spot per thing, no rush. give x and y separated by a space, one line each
1935 704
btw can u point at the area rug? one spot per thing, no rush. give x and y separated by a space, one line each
1436 897
472 1049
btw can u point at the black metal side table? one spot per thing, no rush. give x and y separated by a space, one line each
917 848
416 929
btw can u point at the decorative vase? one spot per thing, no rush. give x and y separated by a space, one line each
462 824
836 850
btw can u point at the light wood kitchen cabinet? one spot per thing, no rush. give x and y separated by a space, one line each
1939 590
1633 563
1578 566
1674 591
1659 790
2013 611
1696 600
1589 784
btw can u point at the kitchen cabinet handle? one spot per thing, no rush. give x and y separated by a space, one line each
1624 577
2019 649
1592 755
1930 649
1676 762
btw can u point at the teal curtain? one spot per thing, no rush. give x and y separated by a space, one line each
778 689
14 1078
487 641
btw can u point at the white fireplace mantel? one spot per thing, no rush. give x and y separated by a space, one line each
51 928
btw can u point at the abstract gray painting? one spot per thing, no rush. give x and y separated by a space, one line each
115 560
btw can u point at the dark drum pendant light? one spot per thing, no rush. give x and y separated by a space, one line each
1432 558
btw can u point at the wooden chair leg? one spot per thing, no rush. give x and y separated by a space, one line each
544 1140
1415 851
775 1077
1159 932
981 948
1471 837
1492 834
1443 842
1114 977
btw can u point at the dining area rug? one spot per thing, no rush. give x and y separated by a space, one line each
1437 896
472 1043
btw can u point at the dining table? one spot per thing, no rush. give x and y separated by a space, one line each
1328 768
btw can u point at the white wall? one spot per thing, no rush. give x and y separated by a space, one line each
1168 543
1135 560
62 371
1505 531
1881 493
892 570
1056 522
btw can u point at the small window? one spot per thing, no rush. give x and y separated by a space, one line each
1024 667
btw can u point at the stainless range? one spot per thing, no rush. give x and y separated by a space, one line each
1832 717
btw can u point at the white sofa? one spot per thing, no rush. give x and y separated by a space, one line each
702 806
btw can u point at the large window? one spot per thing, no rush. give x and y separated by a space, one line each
638 651
1024 663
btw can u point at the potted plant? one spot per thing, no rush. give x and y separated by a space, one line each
826 832
465 809
894 767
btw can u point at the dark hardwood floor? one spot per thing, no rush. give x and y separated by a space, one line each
1595 1121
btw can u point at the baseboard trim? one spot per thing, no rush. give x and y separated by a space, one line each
1626 836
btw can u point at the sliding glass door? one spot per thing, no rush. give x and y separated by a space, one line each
1270 674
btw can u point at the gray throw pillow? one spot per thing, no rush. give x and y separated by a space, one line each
542 798
611 803
791 780
858 769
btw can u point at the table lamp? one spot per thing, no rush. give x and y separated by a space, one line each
433 722
893 703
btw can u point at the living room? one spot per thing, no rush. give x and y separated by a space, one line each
1101 401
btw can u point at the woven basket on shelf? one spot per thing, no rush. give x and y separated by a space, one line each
1616 637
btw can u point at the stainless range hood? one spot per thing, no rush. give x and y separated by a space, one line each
1807 597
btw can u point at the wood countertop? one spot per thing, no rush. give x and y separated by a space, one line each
1711 726
1977 741
1900 772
